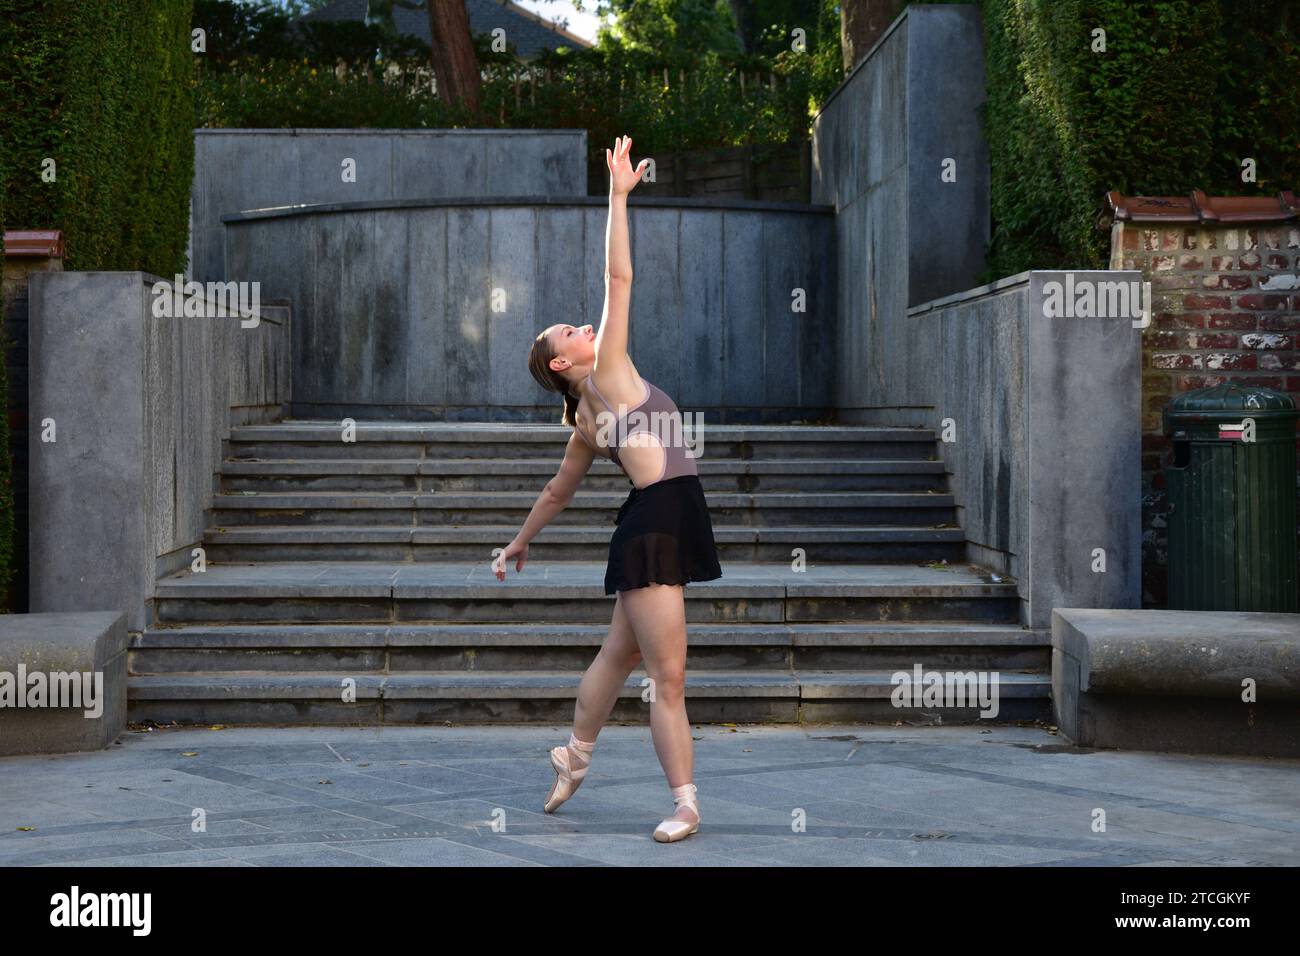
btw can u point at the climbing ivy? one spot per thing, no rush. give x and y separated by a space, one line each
1183 92
104 92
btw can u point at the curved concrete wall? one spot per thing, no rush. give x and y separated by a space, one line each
427 309
238 169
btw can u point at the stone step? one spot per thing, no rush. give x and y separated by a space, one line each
779 695
586 507
383 648
311 542
331 562
433 440
530 474
573 591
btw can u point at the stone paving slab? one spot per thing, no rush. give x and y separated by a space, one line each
871 795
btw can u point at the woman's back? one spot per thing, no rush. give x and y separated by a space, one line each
649 439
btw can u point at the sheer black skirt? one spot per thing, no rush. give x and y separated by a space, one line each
664 536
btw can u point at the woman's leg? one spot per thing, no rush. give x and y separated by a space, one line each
606 676
658 616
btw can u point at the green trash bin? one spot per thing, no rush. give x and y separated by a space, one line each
1232 499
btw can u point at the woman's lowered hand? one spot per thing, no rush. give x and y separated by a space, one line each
515 549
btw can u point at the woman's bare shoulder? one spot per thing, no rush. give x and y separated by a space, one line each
619 383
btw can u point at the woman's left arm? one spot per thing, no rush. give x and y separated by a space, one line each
555 497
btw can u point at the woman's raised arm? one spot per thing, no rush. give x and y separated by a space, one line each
611 339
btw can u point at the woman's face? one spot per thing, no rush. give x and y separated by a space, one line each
575 344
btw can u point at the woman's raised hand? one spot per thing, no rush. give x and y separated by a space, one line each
511 550
622 177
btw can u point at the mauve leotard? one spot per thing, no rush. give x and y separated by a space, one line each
656 413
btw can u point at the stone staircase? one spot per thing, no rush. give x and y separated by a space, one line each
362 567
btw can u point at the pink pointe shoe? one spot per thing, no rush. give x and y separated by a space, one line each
570 763
675 828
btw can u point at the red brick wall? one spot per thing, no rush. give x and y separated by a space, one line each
1226 308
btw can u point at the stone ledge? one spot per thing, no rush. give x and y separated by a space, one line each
1185 653
78 641
1172 680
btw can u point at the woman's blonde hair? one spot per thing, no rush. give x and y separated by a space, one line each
539 363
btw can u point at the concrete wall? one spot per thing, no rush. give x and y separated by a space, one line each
238 169
1046 454
427 310
1045 420
903 235
141 406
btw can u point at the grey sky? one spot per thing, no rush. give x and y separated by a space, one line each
581 24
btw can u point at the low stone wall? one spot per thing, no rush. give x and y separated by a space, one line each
426 310
1223 682
138 407
65 681
1039 419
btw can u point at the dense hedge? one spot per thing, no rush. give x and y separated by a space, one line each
254 84
1184 92
104 89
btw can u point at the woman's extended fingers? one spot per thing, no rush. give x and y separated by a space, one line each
621 146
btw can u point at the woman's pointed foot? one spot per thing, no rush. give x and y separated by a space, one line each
570 762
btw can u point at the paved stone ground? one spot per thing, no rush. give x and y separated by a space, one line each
872 795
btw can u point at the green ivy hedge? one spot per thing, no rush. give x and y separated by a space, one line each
1183 93
104 90
252 83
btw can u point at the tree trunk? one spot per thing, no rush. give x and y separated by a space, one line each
861 24
743 11
454 63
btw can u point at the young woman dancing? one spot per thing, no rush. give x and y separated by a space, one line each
664 536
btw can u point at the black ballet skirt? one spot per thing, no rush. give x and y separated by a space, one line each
664 536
